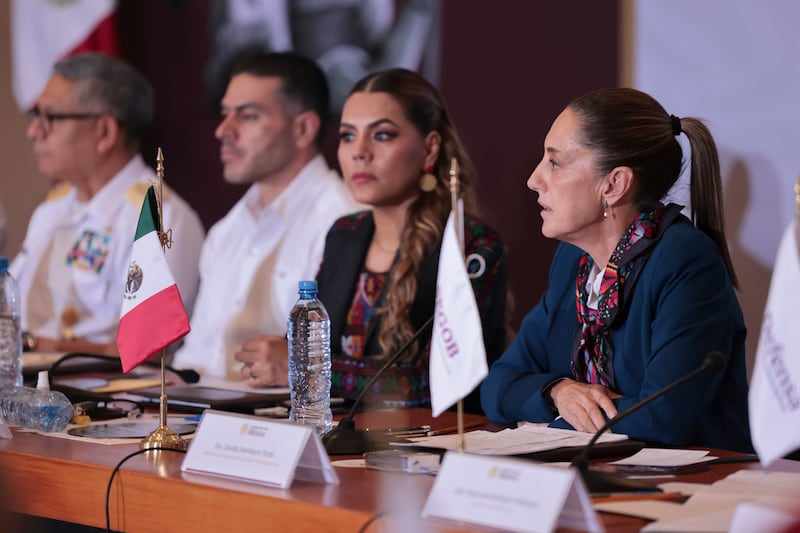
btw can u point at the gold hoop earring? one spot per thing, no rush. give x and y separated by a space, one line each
605 210
427 182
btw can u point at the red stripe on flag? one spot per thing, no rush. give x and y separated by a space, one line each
151 326
104 38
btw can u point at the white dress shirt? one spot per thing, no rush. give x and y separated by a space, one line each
251 262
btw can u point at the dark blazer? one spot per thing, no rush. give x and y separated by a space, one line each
345 251
682 307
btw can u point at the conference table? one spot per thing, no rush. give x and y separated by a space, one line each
66 480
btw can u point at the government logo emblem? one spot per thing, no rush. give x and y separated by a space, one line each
134 281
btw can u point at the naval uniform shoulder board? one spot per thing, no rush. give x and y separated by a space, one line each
135 194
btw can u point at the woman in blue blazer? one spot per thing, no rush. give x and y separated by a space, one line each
638 294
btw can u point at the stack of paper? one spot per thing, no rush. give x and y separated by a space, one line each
522 440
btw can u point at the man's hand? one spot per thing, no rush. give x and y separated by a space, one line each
582 405
266 361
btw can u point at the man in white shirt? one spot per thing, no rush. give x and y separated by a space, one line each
86 130
274 117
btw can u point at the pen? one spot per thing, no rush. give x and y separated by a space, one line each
454 429
407 429
634 496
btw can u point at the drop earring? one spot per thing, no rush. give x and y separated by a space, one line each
605 210
427 182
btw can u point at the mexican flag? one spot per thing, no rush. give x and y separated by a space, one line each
153 316
44 31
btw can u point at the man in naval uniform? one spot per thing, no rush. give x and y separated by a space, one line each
86 130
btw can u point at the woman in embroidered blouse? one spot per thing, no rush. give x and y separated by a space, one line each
378 274
638 294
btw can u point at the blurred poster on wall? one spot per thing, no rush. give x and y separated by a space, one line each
44 31
734 64
347 38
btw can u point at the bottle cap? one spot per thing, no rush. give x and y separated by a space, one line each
3 264
307 285
44 380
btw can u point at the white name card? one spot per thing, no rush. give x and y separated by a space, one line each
253 449
509 494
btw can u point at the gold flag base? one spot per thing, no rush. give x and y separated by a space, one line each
163 437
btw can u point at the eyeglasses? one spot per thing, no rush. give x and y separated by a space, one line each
45 120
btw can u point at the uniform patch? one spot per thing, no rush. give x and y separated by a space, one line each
90 251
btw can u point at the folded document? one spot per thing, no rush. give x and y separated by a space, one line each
526 439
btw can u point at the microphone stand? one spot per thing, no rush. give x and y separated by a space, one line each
599 482
345 439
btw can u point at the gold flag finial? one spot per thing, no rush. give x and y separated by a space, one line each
454 170
165 237
160 164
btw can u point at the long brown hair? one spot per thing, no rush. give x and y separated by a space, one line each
423 106
626 127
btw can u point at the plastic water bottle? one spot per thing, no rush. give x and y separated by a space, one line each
13 401
38 408
47 410
310 360
10 334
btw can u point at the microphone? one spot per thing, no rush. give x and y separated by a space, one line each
345 439
604 482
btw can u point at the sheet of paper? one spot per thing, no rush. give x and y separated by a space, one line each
683 487
712 522
522 440
127 384
750 517
154 418
40 359
648 509
236 385
665 457
713 509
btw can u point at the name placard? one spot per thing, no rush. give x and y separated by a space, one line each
509 494
250 448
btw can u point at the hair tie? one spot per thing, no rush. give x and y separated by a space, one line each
676 125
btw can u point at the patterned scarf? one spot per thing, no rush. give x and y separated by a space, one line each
593 352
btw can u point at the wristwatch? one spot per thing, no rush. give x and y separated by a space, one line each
28 341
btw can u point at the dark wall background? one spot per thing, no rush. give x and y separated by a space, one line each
508 68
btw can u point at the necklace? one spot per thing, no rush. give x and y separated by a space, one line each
383 249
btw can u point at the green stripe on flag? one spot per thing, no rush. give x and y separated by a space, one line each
148 218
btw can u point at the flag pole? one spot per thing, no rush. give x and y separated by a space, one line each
458 220
162 436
